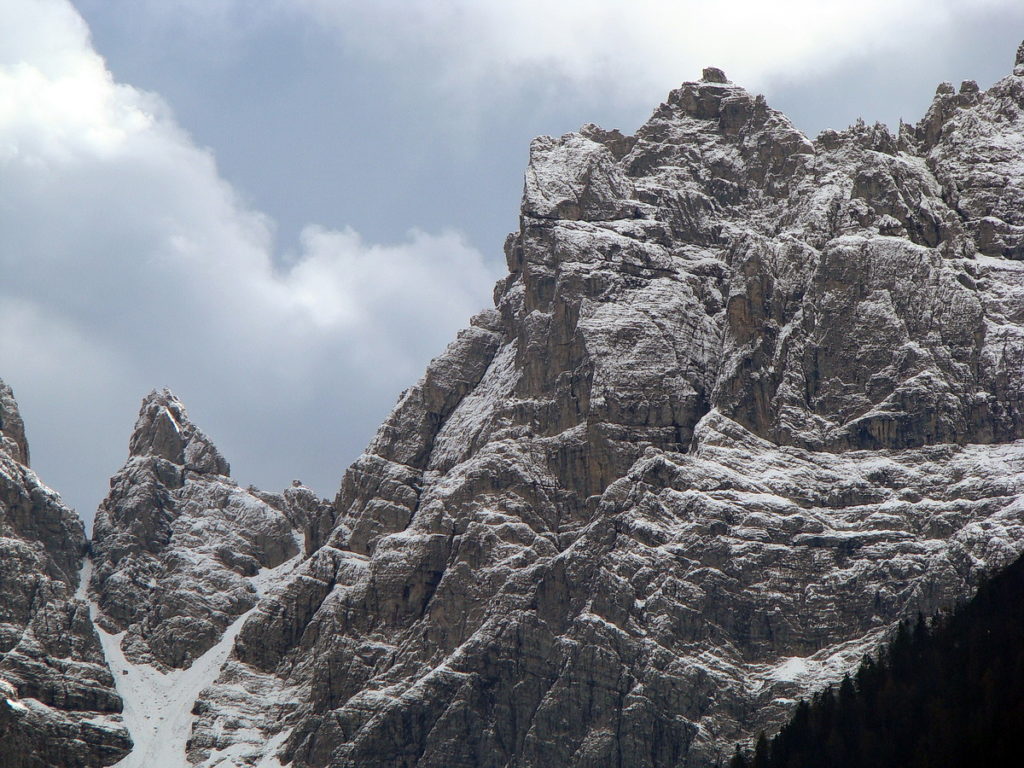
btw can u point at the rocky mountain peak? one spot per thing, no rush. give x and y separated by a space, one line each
746 400
29 510
178 545
58 704
12 429
714 75
164 430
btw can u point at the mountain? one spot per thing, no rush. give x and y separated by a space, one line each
178 547
181 555
744 402
58 703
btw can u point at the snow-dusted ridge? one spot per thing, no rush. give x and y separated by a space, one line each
745 400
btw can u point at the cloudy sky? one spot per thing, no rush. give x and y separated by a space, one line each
283 209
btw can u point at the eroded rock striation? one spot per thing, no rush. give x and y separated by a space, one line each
58 705
744 401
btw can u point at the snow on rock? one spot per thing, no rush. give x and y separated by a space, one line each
179 546
158 703
745 401
58 705
10 696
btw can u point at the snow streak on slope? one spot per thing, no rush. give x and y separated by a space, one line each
82 591
158 705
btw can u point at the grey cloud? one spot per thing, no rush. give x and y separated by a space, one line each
130 263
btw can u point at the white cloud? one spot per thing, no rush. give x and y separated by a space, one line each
128 263
636 48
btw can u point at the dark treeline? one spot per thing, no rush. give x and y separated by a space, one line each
947 693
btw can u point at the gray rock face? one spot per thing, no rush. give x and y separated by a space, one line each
12 429
177 542
745 400
58 706
972 143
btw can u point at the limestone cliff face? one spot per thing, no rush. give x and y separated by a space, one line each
177 543
12 429
58 705
744 401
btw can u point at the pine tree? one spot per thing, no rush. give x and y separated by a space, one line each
761 752
739 760
945 693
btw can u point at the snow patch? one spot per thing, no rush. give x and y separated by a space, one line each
239 754
791 669
84 577
158 705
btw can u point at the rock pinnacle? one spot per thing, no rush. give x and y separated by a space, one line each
714 75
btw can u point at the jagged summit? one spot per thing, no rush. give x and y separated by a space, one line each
744 401
58 704
713 75
12 429
177 543
164 430
29 510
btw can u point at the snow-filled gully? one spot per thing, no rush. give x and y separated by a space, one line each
158 705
